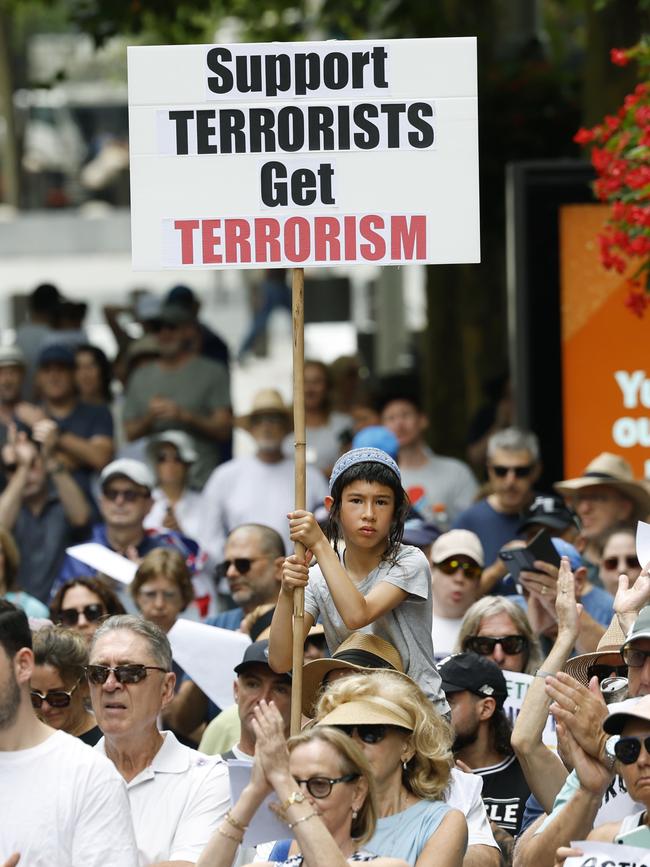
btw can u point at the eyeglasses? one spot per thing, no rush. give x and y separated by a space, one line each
484 644
129 496
167 595
633 657
367 734
131 673
520 472
321 787
627 750
630 562
471 570
54 697
92 612
604 671
241 564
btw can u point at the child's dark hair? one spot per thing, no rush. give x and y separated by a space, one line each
370 471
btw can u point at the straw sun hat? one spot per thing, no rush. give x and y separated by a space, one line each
612 470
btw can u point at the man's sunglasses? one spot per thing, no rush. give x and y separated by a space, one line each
130 673
627 750
452 565
367 734
54 697
92 612
603 671
630 561
633 657
129 496
321 787
484 645
241 564
520 472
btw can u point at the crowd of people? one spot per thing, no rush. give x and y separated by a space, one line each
431 589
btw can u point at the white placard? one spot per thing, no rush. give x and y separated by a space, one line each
265 826
295 154
209 655
643 543
105 560
518 684
595 854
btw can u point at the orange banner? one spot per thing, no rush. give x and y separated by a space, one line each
605 352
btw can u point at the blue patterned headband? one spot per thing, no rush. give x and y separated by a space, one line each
362 456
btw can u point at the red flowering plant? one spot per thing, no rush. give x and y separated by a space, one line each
620 154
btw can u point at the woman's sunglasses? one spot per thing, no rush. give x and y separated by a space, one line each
92 612
603 671
54 697
629 562
484 645
321 787
628 750
133 673
472 570
367 734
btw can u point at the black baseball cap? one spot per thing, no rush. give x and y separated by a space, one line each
474 673
56 353
550 511
256 653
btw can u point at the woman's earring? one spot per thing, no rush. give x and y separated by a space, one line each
354 814
405 765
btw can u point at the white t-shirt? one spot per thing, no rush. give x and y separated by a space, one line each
407 627
63 805
248 490
445 634
187 511
464 793
177 802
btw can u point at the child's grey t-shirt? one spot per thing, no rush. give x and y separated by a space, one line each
407 627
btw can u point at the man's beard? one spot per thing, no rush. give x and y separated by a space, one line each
465 739
9 702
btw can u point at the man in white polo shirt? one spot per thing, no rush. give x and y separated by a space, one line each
61 804
178 796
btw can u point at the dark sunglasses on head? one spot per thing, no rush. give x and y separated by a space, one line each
630 561
472 570
54 697
242 565
367 734
128 496
130 673
627 750
484 644
92 612
320 787
520 472
604 671
633 657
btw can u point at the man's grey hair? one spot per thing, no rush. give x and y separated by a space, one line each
513 439
158 642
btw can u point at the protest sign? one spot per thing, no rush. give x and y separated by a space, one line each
104 560
596 854
295 154
518 684
209 655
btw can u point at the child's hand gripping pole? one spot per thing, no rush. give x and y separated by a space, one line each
298 318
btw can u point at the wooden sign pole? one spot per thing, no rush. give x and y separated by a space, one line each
298 316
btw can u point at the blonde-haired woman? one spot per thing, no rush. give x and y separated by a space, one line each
499 628
324 790
408 746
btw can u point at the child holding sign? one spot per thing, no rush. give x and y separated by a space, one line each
376 584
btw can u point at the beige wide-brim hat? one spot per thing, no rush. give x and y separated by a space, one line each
266 400
374 710
609 644
359 652
613 470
